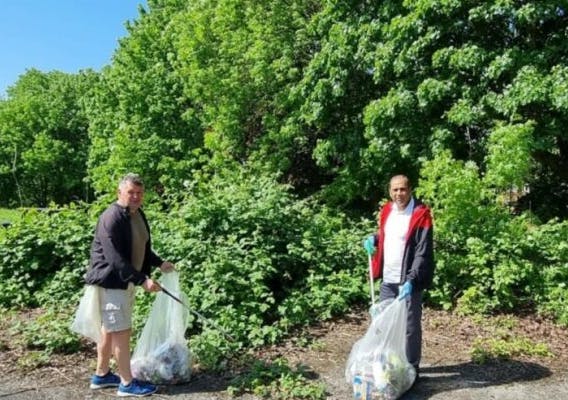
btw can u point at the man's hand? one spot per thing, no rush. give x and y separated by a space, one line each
167 267
405 290
150 286
369 245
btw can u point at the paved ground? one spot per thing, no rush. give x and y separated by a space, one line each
442 382
446 373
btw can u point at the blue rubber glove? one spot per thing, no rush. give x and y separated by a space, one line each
369 245
405 290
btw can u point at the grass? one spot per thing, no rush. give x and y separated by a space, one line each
484 350
8 214
504 342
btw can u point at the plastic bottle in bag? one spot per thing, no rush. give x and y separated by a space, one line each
362 387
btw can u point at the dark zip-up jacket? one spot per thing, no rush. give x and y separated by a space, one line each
111 251
418 258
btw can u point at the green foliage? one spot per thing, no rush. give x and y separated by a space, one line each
330 97
501 342
450 187
212 349
44 255
257 261
43 139
519 268
139 119
484 350
8 215
334 97
509 161
276 380
48 332
549 250
238 60
487 259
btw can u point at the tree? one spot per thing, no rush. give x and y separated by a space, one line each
337 96
139 118
43 137
461 75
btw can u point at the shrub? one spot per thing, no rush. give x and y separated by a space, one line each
48 331
488 259
43 255
257 261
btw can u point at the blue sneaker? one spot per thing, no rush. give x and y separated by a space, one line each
108 380
136 388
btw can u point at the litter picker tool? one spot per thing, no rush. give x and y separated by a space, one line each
371 283
205 320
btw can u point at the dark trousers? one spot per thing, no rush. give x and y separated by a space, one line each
414 325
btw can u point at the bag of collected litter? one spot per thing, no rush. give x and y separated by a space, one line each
88 319
377 366
161 355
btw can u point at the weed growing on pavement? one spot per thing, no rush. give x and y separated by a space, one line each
277 380
484 350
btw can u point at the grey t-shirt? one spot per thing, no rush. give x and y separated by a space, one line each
140 237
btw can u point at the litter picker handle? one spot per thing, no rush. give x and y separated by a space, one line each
203 319
172 296
371 282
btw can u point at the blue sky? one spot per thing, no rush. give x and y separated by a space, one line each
62 35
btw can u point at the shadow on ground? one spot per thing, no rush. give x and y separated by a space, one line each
199 383
438 379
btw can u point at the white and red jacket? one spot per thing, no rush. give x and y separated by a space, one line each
418 258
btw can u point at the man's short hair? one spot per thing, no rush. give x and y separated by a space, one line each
131 177
401 176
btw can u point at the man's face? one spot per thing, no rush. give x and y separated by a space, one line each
130 195
399 191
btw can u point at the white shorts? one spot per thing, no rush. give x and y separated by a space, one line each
116 308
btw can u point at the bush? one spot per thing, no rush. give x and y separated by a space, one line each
48 332
44 254
489 260
257 261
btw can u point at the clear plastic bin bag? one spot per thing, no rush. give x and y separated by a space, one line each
162 355
377 366
88 320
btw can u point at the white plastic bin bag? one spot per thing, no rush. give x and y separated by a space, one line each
162 355
88 319
377 366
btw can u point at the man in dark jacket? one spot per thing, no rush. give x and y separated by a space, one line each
121 258
403 257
